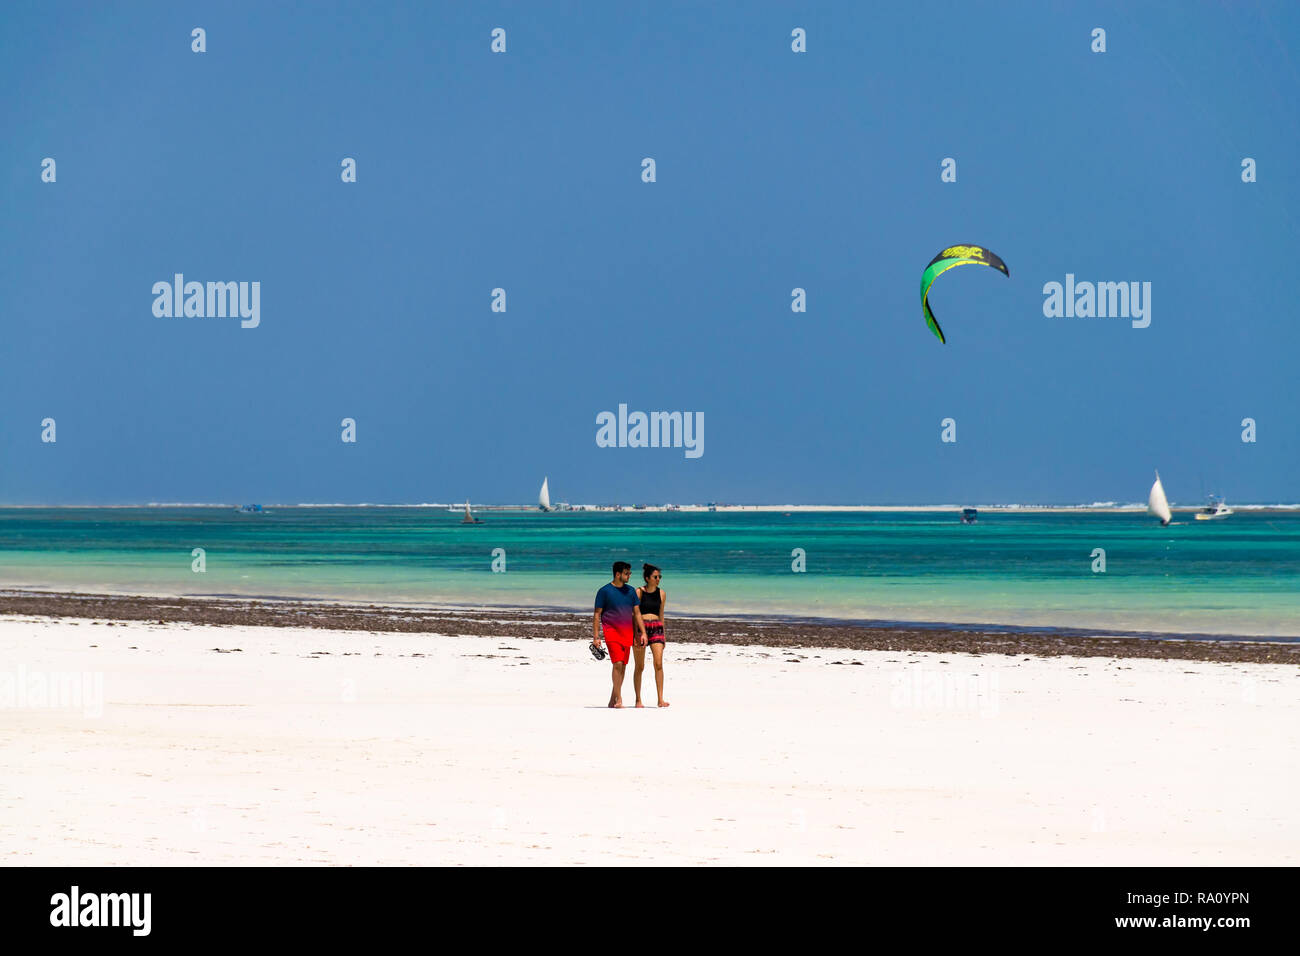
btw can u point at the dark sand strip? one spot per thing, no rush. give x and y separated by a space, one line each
500 622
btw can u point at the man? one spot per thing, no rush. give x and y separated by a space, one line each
618 614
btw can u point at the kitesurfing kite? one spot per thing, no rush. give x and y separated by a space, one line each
950 258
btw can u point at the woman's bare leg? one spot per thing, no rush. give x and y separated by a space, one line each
658 650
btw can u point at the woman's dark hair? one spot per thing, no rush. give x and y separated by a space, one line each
647 570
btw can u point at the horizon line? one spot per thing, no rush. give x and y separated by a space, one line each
694 506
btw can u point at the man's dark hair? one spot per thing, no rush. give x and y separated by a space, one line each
620 567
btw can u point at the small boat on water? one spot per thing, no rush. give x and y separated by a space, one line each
544 497
1158 503
469 517
1215 509
251 510
969 515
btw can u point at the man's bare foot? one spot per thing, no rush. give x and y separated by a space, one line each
639 704
664 703
616 702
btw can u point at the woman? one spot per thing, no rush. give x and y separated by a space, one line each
654 602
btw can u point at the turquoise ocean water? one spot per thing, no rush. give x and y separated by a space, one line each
1240 576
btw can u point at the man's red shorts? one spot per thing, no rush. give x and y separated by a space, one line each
618 651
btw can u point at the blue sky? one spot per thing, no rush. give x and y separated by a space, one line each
522 170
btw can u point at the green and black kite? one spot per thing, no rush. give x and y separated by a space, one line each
950 258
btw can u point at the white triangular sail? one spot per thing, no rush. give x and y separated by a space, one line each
544 498
1158 503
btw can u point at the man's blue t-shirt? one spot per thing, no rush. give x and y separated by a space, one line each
617 617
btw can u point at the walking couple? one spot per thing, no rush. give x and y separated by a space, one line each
630 619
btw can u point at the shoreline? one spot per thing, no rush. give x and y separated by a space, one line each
497 621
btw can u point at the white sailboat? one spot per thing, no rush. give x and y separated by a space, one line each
1158 503
544 497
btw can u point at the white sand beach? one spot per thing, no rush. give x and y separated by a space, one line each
422 749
